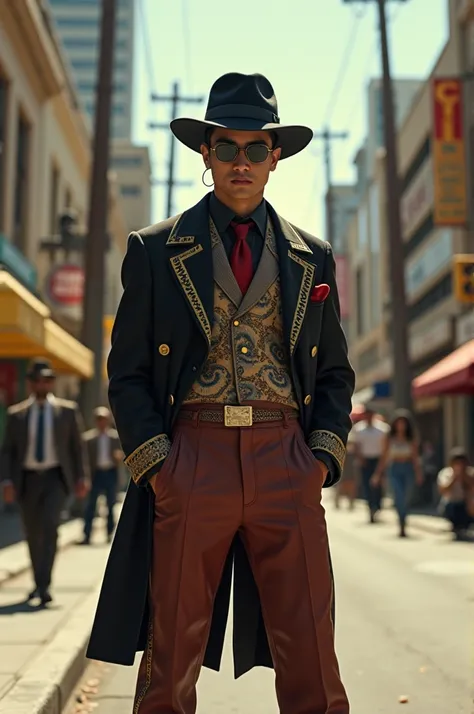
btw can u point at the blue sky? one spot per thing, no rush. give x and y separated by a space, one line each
299 46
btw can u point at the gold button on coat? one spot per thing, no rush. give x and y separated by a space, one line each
307 399
164 350
171 399
314 352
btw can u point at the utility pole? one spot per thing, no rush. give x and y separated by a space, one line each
327 136
399 314
96 239
175 100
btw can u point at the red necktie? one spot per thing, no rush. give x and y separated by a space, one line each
241 258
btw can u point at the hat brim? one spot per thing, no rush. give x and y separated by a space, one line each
45 373
193 133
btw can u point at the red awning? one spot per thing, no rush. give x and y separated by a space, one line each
453 375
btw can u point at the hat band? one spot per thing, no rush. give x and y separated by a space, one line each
246 111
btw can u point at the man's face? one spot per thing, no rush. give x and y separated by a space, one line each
459 466
240 178
42 386
102 423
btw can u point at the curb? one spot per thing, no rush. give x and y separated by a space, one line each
48 682
14 560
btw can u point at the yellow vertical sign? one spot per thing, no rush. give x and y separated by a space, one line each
449 163
108 324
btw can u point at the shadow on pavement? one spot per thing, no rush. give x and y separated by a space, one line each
24 607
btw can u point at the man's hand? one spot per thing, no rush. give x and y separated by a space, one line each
8 493
376 480
81 489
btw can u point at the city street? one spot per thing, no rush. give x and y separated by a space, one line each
404 630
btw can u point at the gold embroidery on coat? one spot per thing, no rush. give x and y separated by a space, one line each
215 237
303 297
149 659
180 240
189 288
148 455
323 440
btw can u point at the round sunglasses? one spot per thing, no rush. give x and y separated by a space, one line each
255 153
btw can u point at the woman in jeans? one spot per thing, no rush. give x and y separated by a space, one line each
400 458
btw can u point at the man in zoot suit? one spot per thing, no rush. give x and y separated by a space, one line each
231 390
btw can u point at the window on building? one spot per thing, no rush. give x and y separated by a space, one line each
363 226
130 190
68 198
89 43
126 162
83 22
374 218
3 144
20 209
54 200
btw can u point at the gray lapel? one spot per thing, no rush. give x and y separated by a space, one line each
223 274
267 272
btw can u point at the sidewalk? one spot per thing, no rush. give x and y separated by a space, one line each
42 650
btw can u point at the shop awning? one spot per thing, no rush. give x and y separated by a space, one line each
27 330
452 375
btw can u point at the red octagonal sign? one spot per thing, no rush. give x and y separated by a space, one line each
66 285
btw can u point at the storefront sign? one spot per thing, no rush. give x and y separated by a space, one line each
417 200
465 328
432 260
343 285
432 339
65 285
107 329
449 168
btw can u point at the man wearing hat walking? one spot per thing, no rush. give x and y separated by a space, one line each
43 460
105 454
231 390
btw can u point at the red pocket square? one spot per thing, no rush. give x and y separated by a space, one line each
320 292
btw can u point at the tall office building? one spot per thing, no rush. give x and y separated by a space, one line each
78 26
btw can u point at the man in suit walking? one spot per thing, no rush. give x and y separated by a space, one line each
43 460
231 390
105 454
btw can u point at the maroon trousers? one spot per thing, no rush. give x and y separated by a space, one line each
263 482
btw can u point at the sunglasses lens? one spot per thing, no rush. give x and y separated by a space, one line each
257 153
226 152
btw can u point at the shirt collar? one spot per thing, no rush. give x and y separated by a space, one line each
222 215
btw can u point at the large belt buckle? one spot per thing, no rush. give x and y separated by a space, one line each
238 416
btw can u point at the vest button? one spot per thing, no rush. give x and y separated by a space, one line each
171 399
307 399
314 352
244 350
236 323
164 350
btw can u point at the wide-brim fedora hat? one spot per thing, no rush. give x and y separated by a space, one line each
40 368
242 102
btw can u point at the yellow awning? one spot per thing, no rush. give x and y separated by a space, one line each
27 330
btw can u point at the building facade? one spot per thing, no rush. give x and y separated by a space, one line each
44 173
437 322
78 26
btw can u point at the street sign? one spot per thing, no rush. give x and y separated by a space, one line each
65 285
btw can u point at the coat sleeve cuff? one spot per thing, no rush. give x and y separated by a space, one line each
147 459
333 470
331 444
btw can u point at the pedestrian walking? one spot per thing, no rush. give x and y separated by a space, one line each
456 487
349 483
401 459
370 436
231 390
42 461
105 454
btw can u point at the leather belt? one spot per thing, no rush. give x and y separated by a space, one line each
239 416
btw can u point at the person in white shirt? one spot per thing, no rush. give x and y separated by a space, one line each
456 487
105 454
42 462
370 439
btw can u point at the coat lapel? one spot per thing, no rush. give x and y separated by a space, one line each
265 275
58 441
189 244
223 274
297 277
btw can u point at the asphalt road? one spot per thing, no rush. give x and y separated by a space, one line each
405 628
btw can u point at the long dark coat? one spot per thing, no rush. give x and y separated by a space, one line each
168 301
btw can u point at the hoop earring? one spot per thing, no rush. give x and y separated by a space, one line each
208 185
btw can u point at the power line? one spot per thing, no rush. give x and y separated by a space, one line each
153 87
343 68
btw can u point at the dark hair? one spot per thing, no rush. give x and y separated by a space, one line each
458 454
406 416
